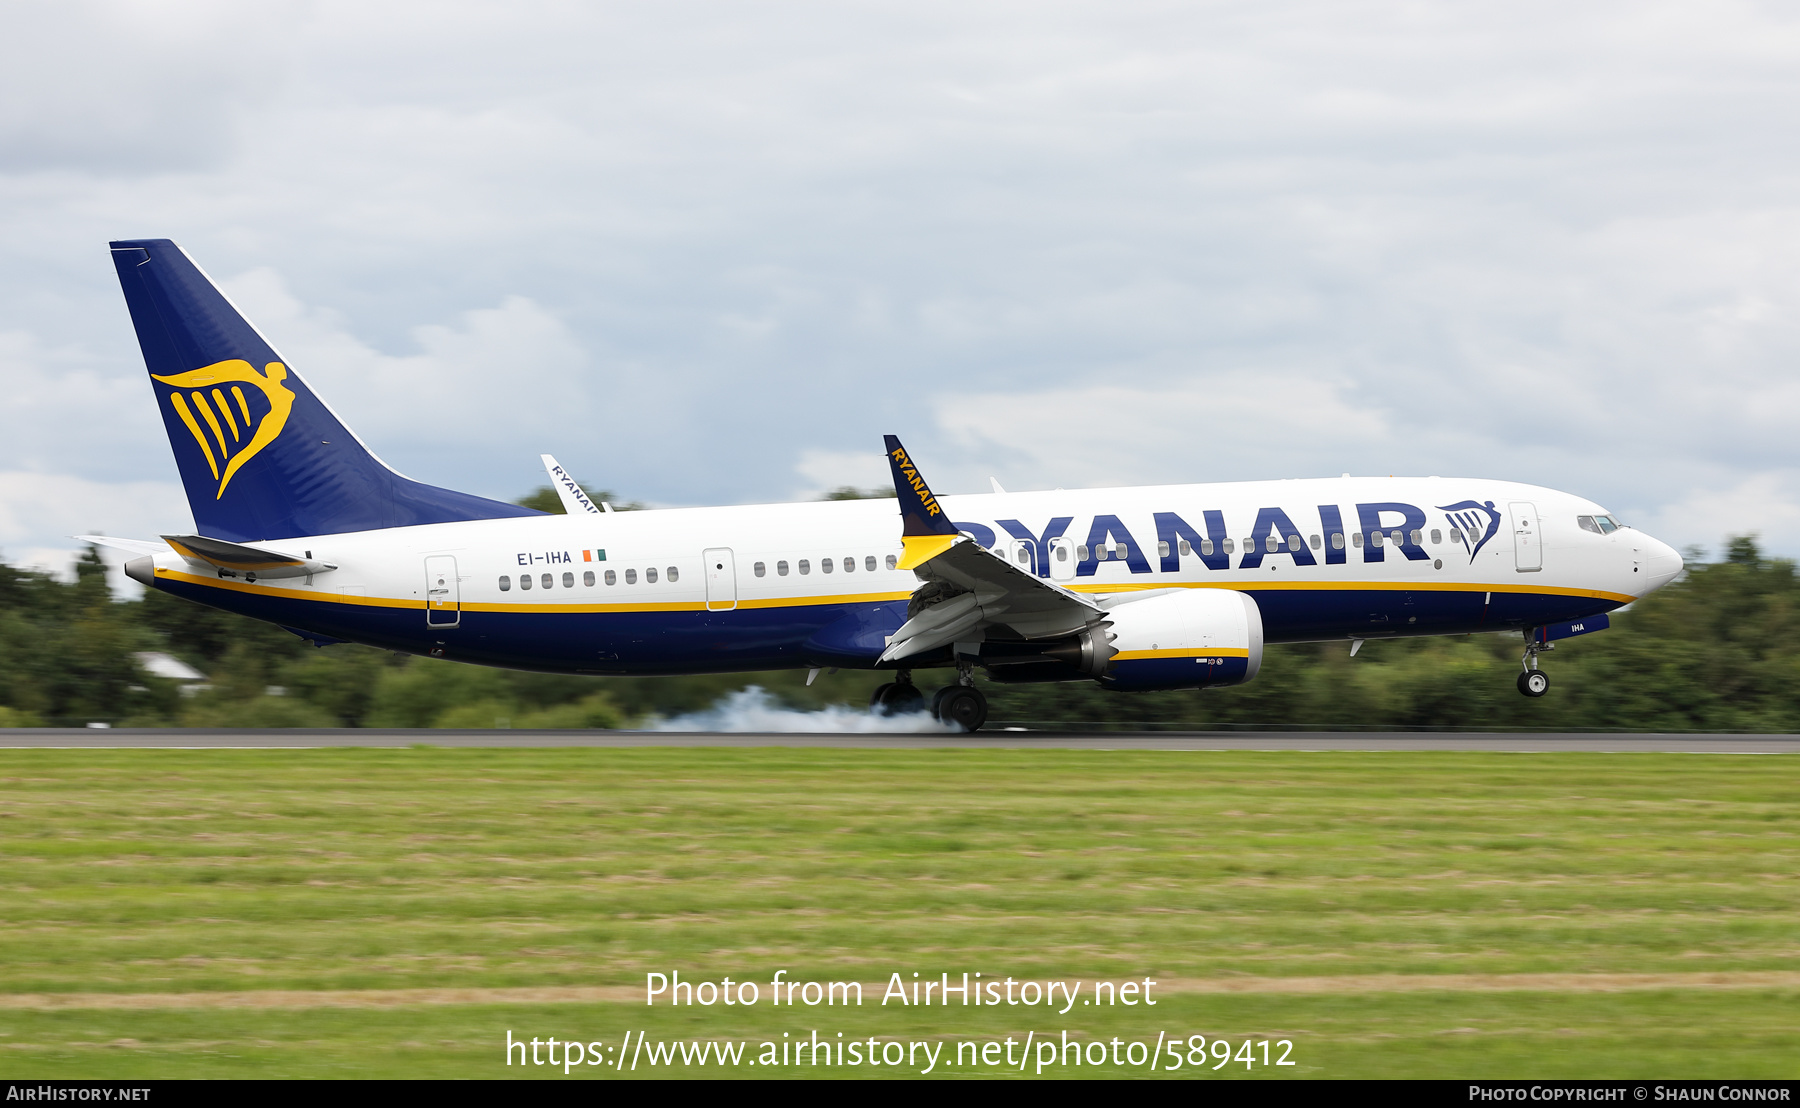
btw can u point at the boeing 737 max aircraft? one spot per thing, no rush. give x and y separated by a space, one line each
1165 587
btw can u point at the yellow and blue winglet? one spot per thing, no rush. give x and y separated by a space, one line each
925 530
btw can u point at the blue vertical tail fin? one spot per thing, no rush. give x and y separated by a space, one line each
260 455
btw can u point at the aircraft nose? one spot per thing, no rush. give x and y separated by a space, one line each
1661 563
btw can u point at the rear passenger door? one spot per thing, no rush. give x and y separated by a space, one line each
721 579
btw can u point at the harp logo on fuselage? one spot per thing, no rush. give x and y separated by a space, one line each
1475 523
229 426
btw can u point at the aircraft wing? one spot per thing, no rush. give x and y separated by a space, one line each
979 589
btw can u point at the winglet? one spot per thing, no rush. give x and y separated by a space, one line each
574 500
925 530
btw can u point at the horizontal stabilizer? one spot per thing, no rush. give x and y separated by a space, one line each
130 546
234 560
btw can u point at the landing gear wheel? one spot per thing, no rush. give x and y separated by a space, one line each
1534 682
895 699
960 706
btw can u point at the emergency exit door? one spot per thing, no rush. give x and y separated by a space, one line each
1528 542
721 580
443 600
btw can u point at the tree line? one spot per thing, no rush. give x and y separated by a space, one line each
1717 650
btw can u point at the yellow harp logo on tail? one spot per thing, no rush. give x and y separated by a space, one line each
214 395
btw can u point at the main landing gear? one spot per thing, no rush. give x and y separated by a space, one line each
897 698
1534 681
961 705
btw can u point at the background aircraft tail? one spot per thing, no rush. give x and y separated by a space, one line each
260 454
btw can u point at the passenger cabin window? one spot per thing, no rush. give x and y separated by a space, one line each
1272 543
631 577
546 580
650 576
587 578
1418 536
1062 553
1396 537
1206 546
1455 534
825 566
869 564
781 569
674 574
1122 551
1184 548
611 577
1316 542
1162 549
892 561
759 569
1081 552
849 565
1230 548
1437 536
505 583
568 580
525 581
1024 555
805 567
1293 542
1337 540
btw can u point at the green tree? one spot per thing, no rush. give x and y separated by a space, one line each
544 498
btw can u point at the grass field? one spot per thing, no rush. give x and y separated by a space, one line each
396 913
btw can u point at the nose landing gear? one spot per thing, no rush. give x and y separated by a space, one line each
1534 681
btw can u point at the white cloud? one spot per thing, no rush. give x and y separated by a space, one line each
1766 505
41 512
825 470
511 374
1069 244
1201 428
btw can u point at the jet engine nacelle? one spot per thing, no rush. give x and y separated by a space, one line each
1192 639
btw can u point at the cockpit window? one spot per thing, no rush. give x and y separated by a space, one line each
1599 525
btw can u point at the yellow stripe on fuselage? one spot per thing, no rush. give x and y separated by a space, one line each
319 596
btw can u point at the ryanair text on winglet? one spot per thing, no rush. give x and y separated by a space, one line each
911 473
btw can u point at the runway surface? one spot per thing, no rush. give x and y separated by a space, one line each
225 738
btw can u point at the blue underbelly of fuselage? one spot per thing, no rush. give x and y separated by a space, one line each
849 635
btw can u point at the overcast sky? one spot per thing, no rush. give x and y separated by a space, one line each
710 252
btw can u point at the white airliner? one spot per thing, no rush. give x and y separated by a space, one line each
1162 587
